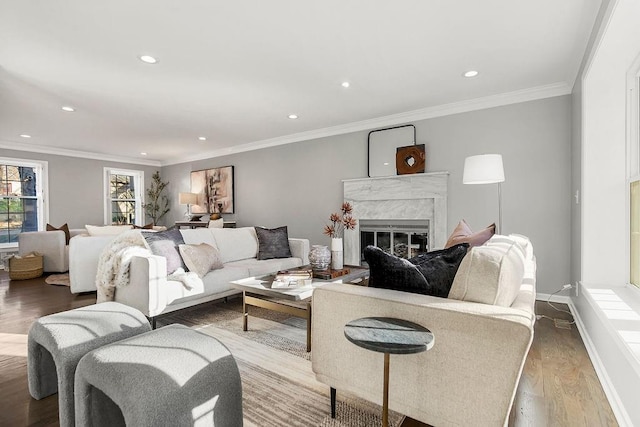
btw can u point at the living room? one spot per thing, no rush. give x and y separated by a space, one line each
562 163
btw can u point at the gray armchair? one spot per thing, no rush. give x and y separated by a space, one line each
51 244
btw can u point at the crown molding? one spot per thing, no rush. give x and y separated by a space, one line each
525 95
75 153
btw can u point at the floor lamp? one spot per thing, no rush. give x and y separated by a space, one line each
486 169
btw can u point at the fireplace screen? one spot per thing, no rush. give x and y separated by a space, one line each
402 238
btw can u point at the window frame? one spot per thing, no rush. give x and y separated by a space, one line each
138 177
42 190
633 152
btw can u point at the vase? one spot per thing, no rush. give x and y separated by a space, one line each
319 257
337 254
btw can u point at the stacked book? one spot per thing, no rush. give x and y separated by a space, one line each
292 278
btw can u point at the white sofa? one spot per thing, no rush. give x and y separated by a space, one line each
51 244
470 375
153 294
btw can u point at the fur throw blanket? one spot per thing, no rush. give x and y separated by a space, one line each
113 265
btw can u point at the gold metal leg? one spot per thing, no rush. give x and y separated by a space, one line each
385 395
245 312
308 327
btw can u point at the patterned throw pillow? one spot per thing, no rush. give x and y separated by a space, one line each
273 243
165 244
65 228
201 258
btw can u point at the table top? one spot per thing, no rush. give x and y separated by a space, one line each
262 286
389 335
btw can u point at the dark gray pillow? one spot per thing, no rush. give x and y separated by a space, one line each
165 244
440 267
431 273
390 272
273 243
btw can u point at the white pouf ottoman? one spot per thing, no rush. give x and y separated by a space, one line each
172 376
57 342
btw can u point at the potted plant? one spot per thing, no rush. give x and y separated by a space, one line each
158 203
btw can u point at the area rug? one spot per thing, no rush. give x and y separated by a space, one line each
58 279
278 384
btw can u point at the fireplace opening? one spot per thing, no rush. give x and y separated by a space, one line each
402 238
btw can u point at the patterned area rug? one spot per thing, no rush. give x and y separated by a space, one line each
279 387
58 279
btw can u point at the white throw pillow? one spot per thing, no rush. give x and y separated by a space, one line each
107 230
201 258
490 274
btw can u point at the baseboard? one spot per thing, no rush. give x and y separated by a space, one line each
561 299
609 390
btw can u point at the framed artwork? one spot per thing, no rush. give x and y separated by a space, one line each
383 145
214 188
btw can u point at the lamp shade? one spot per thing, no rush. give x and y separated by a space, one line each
188 198
483 169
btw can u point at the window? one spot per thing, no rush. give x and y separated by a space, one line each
633 173
123 196
22 202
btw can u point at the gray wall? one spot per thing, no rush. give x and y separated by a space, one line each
299 184
76 192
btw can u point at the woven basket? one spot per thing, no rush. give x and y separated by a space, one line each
26 267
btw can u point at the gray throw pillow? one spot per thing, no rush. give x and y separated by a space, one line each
165 244
273 243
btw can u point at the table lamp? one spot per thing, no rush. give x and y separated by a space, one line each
189 199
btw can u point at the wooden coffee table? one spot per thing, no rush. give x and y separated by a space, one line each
295 300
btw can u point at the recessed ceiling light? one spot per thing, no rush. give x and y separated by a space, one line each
24 135
69 109
143 153
386 163
345 84
202 138
293 116
471 73
148 59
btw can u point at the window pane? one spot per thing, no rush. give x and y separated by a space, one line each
30 215
635 233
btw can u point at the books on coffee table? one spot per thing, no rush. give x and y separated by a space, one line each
292 278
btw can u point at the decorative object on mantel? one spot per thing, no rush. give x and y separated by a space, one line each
158 205
410 159
383 145
319 257
339 223
214 188
486 169
189 199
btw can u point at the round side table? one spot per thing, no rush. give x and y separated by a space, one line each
389 336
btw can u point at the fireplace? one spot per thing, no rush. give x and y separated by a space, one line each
393 209
402 238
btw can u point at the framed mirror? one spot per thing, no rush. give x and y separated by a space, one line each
383 145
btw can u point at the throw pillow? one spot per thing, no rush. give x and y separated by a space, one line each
390 272
201 258
440 267
463 234
65 228
273 243
165 244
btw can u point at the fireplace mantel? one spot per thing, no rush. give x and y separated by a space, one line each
417 196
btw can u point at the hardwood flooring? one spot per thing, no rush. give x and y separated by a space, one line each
559 386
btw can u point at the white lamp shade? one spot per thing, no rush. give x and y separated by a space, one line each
188 198
483 169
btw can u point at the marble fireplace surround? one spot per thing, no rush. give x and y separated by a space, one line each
416 197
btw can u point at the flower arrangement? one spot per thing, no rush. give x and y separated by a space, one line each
340 222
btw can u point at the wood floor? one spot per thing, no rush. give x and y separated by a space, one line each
559 386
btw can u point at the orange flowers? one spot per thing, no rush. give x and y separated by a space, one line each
339 223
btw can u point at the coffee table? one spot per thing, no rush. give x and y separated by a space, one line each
294 300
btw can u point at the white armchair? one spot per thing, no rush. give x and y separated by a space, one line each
51 244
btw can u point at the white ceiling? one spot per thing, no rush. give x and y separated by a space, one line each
234 70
